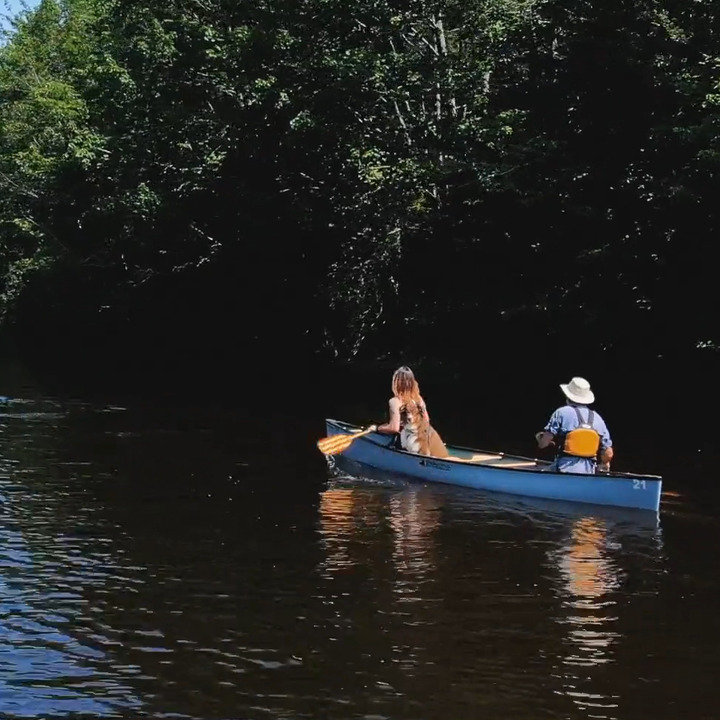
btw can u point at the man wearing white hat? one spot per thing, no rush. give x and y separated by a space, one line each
579 433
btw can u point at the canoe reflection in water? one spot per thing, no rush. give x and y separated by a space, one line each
505 599
350 521
589 576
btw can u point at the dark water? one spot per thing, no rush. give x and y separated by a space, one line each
191 562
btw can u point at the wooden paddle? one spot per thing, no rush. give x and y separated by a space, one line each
336 444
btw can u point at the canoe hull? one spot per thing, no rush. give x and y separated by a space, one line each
631 491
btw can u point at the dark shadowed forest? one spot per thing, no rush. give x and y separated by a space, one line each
486 185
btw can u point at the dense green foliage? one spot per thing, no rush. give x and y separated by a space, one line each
355 176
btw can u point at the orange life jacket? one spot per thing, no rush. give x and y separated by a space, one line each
584 441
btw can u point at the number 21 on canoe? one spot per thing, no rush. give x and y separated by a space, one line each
336 444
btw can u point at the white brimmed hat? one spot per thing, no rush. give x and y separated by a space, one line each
578 390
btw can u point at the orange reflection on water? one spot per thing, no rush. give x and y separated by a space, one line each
351 519
344 516
414 517
589 576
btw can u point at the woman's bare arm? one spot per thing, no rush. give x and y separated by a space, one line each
427 414
393 424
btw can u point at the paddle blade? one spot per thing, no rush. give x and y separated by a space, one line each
335 444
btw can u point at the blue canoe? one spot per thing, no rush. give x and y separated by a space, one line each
502 473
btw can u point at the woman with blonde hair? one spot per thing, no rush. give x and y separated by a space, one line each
409 417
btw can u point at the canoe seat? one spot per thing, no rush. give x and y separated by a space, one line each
509 462
488 459
476 458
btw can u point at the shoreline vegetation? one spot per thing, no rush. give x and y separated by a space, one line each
347 182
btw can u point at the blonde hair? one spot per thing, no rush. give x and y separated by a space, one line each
404 385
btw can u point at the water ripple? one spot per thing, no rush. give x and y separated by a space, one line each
154 563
